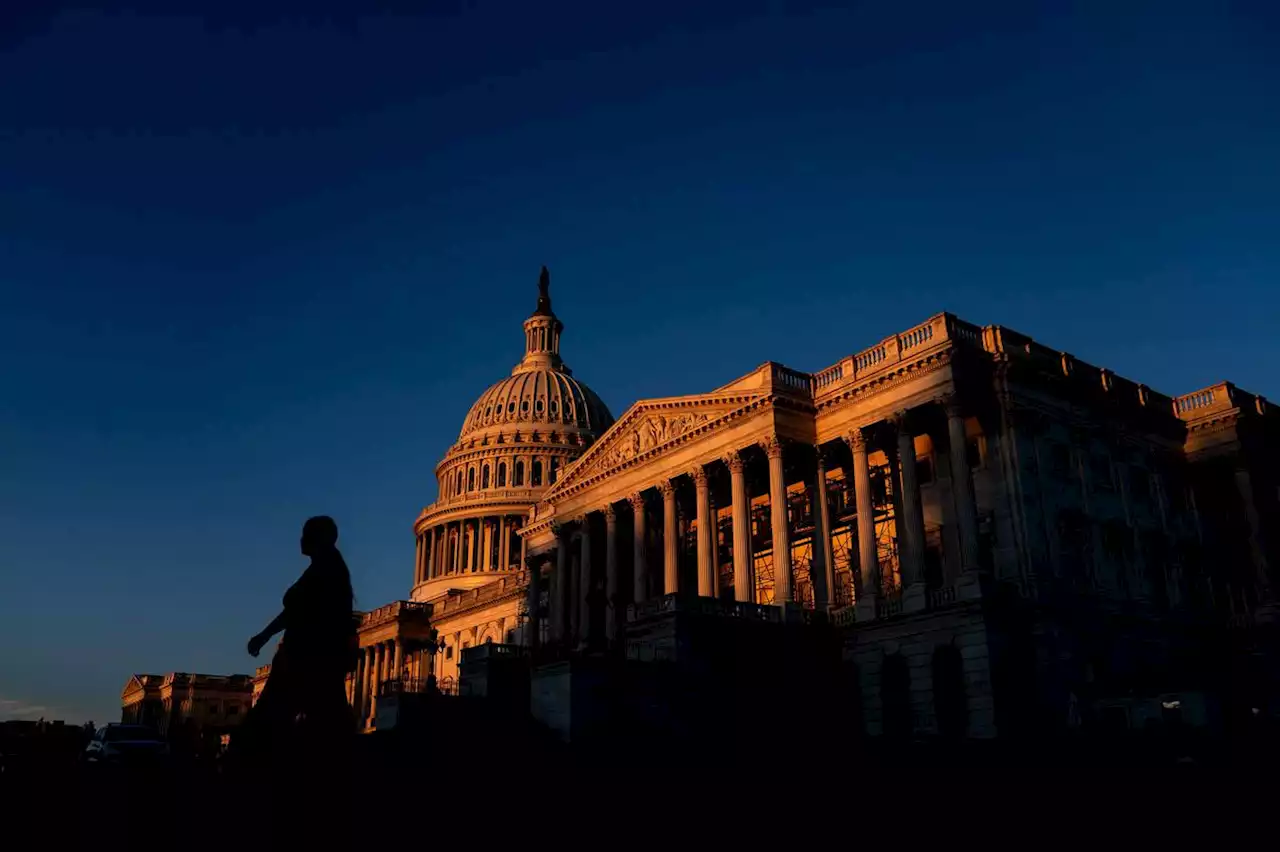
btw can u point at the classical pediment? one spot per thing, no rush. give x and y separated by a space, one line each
135 684
651 426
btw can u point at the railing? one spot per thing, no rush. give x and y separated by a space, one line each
651 607
966 332
488 592
869 357
704 606
1192 401
938 598
392 611
262 671
888 606
521 493
411 685
791 379
892 350
492 650
915 337
829 376
844 617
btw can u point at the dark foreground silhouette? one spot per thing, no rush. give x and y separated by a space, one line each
302 719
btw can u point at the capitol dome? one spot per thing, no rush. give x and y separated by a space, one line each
535 396
540 396
518 438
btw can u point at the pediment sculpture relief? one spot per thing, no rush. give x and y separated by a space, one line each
652 431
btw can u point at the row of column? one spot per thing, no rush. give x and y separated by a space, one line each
474 544
377 662
570 604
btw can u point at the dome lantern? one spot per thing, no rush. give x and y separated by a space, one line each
542 334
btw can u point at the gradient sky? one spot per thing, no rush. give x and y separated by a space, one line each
254 267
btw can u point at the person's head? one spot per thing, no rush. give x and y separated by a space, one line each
319 534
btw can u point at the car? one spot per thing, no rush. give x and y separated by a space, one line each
118 743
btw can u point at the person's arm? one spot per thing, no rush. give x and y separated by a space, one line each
277 624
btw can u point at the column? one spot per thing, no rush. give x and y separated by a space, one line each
379 659
464 555
611 596
457 549
561 585
524 547
962 485
431 555
640 555
417 559
533 595
912 533
442 558
493 552
822 532
473 546
670 536
1257 555
356 683
744 583
397 663
868 559
584 583
574 579
504 545
781 524
706 571
366 685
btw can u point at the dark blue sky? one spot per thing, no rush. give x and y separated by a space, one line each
256 267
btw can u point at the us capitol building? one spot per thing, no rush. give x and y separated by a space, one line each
993 536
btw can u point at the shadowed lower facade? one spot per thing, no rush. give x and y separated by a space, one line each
1000 537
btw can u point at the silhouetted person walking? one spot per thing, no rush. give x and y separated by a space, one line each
303 711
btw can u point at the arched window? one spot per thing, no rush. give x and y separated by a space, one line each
458 488
535 478
484 477
502 474
553 467
519 473
471 479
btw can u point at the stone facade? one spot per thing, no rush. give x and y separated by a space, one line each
1003 533
178 701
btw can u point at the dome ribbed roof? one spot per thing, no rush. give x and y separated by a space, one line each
538 399
541 394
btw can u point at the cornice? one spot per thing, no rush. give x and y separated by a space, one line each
516 592
466 509
854 393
